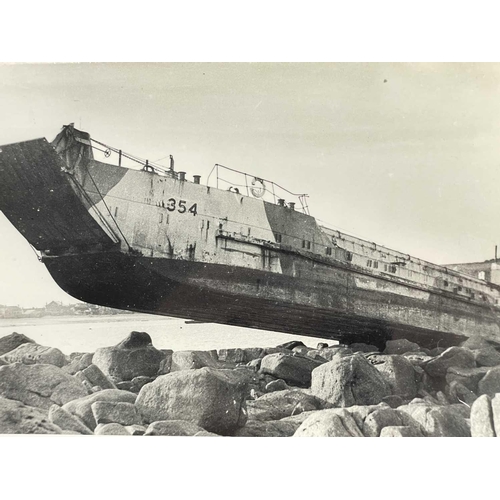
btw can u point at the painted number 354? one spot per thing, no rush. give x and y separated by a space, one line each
180 206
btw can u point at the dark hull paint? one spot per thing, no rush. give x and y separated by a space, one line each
163 286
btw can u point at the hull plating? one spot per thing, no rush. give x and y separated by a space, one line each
251 299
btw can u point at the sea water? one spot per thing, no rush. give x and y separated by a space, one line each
88 333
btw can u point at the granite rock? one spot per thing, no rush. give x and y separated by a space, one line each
173 428
400 431
400 346
276 385
31 353
213 399
272 428
82 408
10 342
97 378
440 421
281 404
469 377
39 385
66 421
487 356
453 356
78 363
192 360
111 430
490 383
232 355
294 369
108 412
329 423
348 381
375 422
481 418
17 418
398 372
134 356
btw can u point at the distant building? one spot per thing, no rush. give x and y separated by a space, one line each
488 270
12 312
33 313
56 309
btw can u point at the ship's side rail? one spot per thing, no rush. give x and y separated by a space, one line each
488 300
382 260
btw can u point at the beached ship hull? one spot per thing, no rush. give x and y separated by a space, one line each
133 239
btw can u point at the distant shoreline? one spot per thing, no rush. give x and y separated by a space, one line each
78 319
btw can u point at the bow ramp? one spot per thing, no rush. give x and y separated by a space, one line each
46 203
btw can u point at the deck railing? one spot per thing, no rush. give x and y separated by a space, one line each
255 187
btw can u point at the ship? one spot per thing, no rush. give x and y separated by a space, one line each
235 252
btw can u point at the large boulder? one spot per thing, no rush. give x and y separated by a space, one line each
440 421
82 408
134 385
328 353
17 418
363 347
453 356
213 399
192 360
173 428
487 356
377 420
78 363
456 392
490 383
10 342
272 428
276 385
469 377
400 431
281 404
398 372
39 385
348 381
329 423
475 342
135 356
495 408
292 344
232 355
112 429
166 362
30 354
97 378
136 430
294 369
481 418
109 412
252 353
400 346
66 421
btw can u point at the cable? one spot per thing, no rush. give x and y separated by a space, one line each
107 208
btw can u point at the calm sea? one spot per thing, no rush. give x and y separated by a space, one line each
87 333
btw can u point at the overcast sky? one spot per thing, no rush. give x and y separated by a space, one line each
406 155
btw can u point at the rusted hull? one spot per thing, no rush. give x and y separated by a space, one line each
173 288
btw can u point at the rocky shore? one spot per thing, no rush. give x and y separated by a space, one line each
289 390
